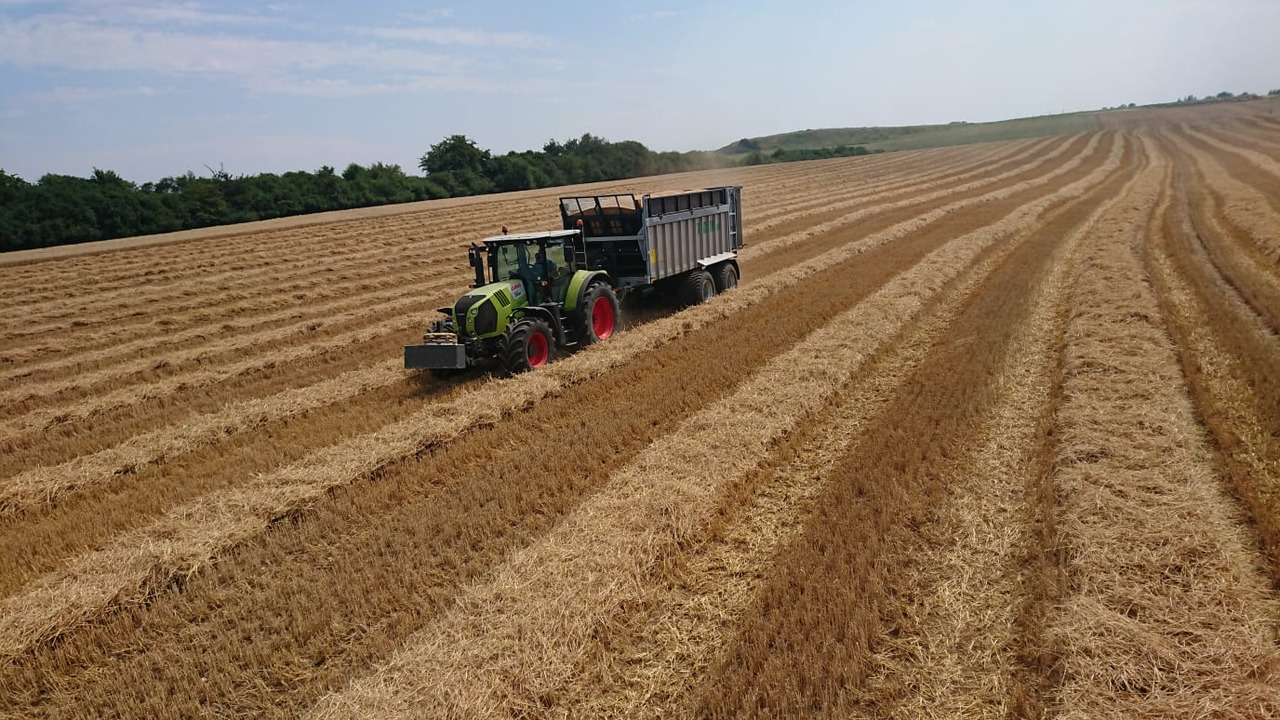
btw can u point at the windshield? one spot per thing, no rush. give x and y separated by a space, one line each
526 260
512 261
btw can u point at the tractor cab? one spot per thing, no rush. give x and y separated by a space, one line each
543 262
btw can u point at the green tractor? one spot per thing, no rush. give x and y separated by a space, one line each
532 297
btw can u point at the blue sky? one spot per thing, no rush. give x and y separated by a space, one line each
151 89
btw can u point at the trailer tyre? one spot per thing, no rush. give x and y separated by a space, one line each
598 316
725 276
698 288
529 345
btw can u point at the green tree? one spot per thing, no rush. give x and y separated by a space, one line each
455 154
512 172
203 203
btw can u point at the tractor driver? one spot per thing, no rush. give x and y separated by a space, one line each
543 265
534 276
544 271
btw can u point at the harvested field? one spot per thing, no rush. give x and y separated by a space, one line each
991 430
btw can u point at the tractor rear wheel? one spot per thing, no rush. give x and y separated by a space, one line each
529 345
725 276
698 288
598 316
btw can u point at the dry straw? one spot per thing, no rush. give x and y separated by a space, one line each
43 418
397 304
1168 612
39 486
1242 204
687 619
909 180
960 655
351 276
315 300
1235 359
332 312
142 562
517 640
1263 162
916 199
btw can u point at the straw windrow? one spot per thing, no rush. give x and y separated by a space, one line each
1168 611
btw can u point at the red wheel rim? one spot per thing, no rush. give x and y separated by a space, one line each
602 318
538 350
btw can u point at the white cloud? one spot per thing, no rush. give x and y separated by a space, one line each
69 43
658 15
67 95
169 14
457 36
343 88
428 16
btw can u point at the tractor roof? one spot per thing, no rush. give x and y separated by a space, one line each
527 237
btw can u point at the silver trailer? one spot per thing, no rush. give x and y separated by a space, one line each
656 238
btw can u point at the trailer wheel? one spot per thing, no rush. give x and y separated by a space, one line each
698 287
725 276
529 345
598 317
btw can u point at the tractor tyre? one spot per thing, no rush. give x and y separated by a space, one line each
529 345
698 288
599 315
725 276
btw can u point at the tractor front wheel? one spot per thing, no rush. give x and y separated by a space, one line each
529 345
598 317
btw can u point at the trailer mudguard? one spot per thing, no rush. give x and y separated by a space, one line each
578 287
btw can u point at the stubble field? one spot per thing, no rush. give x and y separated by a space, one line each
991 430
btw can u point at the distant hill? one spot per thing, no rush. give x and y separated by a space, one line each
916 137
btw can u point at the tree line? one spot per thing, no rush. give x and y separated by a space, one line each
64 209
